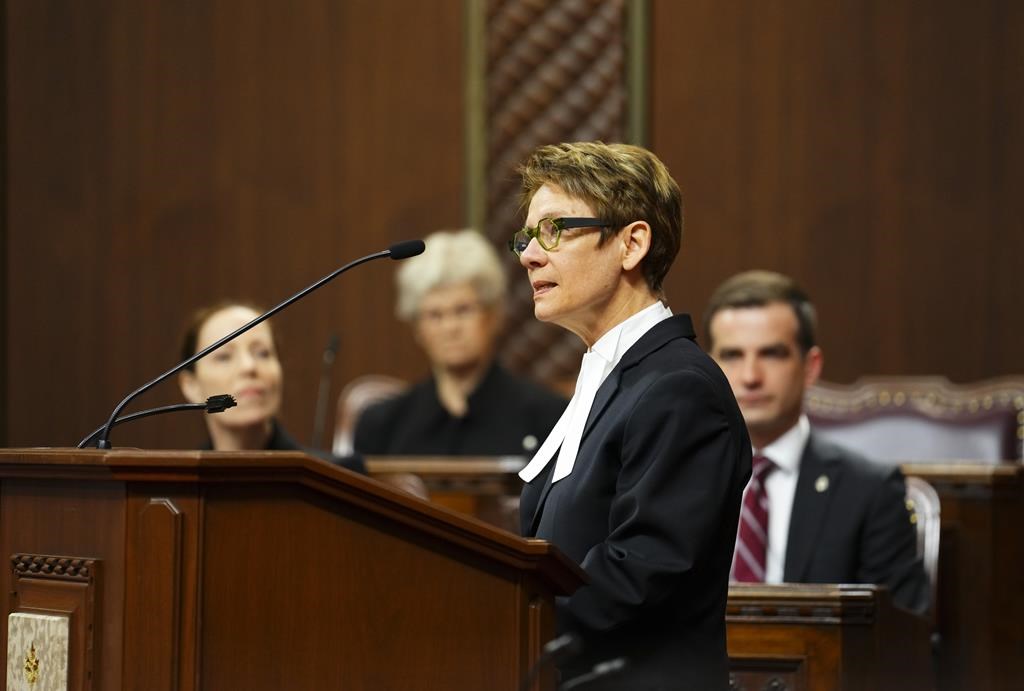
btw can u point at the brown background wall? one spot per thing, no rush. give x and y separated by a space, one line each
873 150
162 155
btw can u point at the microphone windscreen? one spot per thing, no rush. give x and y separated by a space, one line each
406 249
220 403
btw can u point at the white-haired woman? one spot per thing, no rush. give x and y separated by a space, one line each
452 297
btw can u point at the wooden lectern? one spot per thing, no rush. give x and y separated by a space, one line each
206 571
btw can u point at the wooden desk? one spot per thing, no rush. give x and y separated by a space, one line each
980 613
814 637
979 608
481 486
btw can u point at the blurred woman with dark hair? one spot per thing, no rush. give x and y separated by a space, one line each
248 369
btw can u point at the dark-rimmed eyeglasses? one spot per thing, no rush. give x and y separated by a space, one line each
548 232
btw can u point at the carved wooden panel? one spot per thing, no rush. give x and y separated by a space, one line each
67 586
555 71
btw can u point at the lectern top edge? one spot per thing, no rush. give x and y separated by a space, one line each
209 468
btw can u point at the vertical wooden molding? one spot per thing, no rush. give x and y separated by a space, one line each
637 69
4 289
538 635
153 599
476 106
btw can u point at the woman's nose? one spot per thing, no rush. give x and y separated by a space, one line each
533 255
246 362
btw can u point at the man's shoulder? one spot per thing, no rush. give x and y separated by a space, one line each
679 370
675 351
669 342
851 462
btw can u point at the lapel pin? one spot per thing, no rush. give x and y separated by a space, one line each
821 484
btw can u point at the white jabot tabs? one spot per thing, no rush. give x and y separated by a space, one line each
598 362
592 372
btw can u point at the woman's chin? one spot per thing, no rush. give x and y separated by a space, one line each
460 363
244 419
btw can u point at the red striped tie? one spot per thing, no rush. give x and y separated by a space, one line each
748 563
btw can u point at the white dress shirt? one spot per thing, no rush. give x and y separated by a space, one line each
780 486
598 362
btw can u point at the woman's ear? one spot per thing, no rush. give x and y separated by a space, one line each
636 241
190 387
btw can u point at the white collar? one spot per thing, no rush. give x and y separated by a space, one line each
624 335
567 434
786 451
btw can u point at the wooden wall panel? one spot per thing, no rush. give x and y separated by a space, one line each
4 283
165 155
869 149
162 155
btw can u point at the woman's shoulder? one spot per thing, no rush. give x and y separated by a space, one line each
518 389
378 420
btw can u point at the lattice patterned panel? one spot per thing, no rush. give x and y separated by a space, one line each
555 71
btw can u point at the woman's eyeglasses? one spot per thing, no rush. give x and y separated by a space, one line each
548 232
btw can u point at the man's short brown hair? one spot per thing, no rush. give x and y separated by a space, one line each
622 184
758 289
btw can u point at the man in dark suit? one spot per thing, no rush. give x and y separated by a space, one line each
828 514
640 480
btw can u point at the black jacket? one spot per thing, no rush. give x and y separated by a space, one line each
650 512
506 416
854 528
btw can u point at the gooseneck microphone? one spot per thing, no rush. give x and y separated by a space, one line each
554 650
401 250
599 671
323 391
213 404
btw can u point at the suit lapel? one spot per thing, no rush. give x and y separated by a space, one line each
661 333
679 326
604 396
810 506
539 489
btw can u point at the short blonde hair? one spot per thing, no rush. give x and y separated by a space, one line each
451 257
621 183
